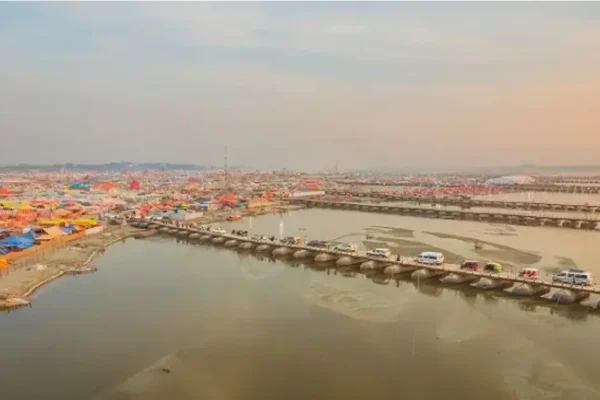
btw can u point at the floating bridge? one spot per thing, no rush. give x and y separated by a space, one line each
570 222
470 203
450 273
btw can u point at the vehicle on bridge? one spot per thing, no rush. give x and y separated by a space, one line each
318 244
574 277
380 252
219 231
493 267
295 241
345 248
472 265
430 257
529 273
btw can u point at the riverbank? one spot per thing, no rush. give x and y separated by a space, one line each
24 276
222 216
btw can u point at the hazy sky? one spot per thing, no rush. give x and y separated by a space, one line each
300 85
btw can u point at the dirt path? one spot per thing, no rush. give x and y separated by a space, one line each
26 274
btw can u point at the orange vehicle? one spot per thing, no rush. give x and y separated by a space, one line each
529 273
473 265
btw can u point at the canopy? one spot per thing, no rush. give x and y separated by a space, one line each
134 185
105 186
17 241
5 192
80 186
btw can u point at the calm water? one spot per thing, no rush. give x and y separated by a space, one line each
250 329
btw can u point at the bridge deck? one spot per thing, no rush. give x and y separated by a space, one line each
425 210
469 202
403 261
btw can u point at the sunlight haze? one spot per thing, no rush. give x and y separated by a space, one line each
301 85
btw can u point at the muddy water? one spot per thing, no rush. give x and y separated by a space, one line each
228 326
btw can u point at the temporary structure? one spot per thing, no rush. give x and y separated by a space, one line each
6 192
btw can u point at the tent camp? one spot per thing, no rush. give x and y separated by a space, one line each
6 193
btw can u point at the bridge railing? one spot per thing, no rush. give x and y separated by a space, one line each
408 262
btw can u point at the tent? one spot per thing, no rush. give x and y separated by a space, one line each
228 200
105 186
134 185
5 192
17 242
85 185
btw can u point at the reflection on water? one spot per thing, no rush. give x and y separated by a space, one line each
228 326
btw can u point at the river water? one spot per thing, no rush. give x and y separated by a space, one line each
230 326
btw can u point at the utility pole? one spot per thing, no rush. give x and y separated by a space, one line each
225 167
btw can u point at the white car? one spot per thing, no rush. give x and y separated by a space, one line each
380 253
345 248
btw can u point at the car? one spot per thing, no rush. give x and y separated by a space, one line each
379 253
529 273
473 265
345 248
493 267
573 277
430 257
317 243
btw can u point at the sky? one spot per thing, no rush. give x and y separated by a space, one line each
301 85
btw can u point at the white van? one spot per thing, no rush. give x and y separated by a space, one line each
430 257
574 277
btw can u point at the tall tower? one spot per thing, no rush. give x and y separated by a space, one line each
225 167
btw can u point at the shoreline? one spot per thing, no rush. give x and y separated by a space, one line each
20 297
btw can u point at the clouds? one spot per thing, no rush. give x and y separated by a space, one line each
299 84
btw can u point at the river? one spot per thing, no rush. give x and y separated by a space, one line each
230 326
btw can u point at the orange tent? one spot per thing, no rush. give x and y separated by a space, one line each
134 185
5 192
105 186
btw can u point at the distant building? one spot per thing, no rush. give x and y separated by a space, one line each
258 202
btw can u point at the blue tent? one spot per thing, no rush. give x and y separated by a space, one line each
81 186
17 241
29 236
67 229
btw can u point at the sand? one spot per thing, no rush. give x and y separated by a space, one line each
25 275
